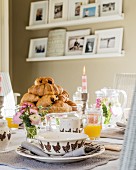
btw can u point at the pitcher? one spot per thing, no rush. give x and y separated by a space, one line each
108 99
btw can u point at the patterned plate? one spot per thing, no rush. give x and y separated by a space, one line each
55 159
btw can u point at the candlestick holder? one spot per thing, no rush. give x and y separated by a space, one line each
85 97
1 105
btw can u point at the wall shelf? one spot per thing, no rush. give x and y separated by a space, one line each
83 21
77 57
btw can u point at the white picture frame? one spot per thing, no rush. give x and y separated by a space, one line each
58 10
90 10
38 48
110 7
90 43
38 13
75 41
74 8
110 40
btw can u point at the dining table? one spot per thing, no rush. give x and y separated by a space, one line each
8 157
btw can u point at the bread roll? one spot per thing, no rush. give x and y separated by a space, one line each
44 80
29 98
59 107
46 100
72 104
37 90
51 89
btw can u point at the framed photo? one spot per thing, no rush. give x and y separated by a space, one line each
110 7
90 10
75 41
91 1
90 44
58 10
38 47
110 41
74 8
38 13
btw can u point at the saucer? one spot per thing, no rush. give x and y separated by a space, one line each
56 159
8 149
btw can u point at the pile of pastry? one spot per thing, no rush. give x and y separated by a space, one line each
46 93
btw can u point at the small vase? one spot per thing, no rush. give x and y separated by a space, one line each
31 132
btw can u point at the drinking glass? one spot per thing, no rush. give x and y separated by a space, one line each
93 123
8 114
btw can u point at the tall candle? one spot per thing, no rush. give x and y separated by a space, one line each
84 81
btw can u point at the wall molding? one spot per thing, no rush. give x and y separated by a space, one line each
4 35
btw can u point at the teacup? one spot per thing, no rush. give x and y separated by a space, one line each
70 124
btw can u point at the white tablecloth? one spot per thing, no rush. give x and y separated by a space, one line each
19 136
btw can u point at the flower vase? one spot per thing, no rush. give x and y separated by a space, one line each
31 132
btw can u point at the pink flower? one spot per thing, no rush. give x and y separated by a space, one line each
16 118
35 119
98 105
98 100
33 111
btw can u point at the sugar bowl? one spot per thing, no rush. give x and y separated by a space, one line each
5 135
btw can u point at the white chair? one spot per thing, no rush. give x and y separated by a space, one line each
126 82
16 95
128 155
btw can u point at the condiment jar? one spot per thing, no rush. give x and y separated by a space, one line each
5 135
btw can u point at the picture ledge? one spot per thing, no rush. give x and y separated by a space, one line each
77 57
82 21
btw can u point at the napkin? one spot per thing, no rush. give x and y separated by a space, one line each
34 149
85 150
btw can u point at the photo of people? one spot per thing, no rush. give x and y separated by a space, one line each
89 45
91 1
108 7
39 14
58 10
107 42
89 12
75 43
39 49
77 8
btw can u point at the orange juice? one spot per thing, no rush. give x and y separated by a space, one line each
10 122
93 131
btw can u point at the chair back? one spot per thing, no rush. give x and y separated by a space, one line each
126 82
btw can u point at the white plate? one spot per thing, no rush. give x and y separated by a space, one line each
57 159
8 149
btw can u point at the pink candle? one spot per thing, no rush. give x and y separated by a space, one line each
84 81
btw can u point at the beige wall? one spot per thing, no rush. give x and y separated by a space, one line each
100 72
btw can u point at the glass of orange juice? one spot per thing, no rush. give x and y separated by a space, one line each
93 124
8 114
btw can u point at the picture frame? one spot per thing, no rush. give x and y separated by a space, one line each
110 7
75 41
90 10
74 8
90 43
91 1
58 10
110 40
38 13
38 48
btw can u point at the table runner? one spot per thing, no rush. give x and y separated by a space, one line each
14 160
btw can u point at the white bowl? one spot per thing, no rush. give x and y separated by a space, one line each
59 143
